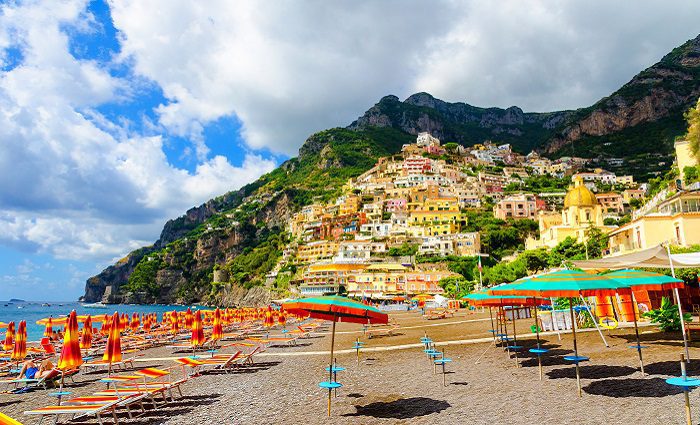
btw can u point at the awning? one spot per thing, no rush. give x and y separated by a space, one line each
656 257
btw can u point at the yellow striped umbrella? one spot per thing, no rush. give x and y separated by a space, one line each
8 344
218 331
86 337
174 322
70 353
20 349
135 322
113 351
197 330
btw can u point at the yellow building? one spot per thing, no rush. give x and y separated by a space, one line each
581 210
328 278
684 157
315 251
676 220
350 205
380 281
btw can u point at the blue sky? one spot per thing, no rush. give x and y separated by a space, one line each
116 116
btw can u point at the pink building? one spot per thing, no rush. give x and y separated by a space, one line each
417 165
395 205
516 206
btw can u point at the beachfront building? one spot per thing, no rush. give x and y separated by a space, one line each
522 205
675 220
316 250
378 281
328 278
581 211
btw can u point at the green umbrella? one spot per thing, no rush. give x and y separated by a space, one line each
642 280
335 309
568 284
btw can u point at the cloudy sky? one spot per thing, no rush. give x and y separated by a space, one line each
117 115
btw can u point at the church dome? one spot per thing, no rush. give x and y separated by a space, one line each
579 196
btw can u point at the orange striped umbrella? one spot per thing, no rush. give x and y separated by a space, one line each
20 349
218 331
113 351
268 320
49 328
8 344
135 322
197 330
70 353
86 337
123 322
282 319
174 322
188 318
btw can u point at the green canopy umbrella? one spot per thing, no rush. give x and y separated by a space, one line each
643 280
335 309
566 284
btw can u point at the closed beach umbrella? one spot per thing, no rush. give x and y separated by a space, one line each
86 337
174 322
197 330
188 318
568 284
70 353
642 280
135 322
218 331
336 309
49 328
8 344
268 321
113 350
19 351
282 318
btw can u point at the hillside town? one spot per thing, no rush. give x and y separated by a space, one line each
366 241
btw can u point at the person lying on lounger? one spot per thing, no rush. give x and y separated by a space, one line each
31 371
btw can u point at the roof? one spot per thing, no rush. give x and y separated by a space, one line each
580 196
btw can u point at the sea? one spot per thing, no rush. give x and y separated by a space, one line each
31 311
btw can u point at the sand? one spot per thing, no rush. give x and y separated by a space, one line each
395 386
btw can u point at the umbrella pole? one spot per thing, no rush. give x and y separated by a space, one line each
680 308
358 350
493 330
636 332
686 393
537 332
573 331
330 373
595 322
515 339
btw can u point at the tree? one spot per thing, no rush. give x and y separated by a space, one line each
635 203
456 286
693 134
691 174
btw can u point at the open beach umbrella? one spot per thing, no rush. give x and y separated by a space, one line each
19 352
70 352
642 280
336 309
49 328
218 330
568 284
86 336
113 350
8 344
197 331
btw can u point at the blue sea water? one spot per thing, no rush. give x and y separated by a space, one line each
33 311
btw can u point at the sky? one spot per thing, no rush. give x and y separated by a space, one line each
118 115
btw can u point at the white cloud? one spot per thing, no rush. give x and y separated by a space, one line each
287 69
75 184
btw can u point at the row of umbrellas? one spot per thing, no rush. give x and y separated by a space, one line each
573 284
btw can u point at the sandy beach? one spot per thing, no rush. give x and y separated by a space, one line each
394 382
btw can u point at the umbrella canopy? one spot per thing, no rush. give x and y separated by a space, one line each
174 322
197 330
483 299
337 309
49 328
19 351
218 331
641 279
113 350
562 283
86 337
8 344
188 318
70 353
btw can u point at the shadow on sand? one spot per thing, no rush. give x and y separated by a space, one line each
592 372
632 387
404 408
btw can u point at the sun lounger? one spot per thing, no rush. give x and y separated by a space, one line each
78 411
43 382
6 420
99 363
381 331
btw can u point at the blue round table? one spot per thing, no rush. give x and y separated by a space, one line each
330 385
683 382
538 351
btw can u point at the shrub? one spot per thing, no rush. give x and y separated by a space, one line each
666 316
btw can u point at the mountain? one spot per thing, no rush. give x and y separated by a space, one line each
239 236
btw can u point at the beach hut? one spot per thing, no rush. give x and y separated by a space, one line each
336 309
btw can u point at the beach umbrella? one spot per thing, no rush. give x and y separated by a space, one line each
86 337
70 353
174 322
568 284
19 352
49 328
135 322
218 331
197 331
268 321
282 319
8 344
188 318
113 350
642 280
336 309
